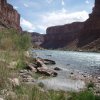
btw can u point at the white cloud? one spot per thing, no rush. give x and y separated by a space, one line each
64 10
26 5
87 2
26 25
41 27
61 17
15 7
62 2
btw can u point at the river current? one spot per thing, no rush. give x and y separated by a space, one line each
69 61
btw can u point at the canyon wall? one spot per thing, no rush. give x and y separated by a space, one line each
91 29
37 38
77 35
61 36
9 17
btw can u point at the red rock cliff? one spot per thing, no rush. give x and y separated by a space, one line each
9 17
61 36
91 30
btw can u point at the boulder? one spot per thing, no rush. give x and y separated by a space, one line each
46 71
14 81
32 67
40 62
49 62
43 69
1 99
56 68
26 76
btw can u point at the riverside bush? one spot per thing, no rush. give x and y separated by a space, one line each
90 85
84 95
12 47
13 40
20 64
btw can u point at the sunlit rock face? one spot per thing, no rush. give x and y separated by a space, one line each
91 30
9 17
61 36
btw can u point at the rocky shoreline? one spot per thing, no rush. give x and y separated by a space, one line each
38 70
40 66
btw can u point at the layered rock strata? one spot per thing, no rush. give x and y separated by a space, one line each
91 30
9 17
61 36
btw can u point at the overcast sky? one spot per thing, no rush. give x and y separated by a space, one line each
37 15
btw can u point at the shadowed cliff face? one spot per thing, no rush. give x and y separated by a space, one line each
37 38
9 17
91 30
61 36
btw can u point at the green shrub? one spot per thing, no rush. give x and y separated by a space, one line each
4 74
97 97
13 40
21 64
90 85
41 84
84 95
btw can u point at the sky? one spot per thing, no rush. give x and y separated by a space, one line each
37 15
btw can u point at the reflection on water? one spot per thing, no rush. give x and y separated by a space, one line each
63 84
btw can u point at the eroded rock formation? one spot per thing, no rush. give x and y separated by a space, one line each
61 36
91 30
9 17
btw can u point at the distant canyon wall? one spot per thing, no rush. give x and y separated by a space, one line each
61 36
37 38
85 35
9 17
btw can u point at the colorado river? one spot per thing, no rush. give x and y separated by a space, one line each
69 61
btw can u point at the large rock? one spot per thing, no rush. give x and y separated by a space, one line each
14 81
46 71
9 17
49 62
91 30
57 68
61 36
43 69
26 76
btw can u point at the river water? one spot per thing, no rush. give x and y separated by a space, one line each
69 61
